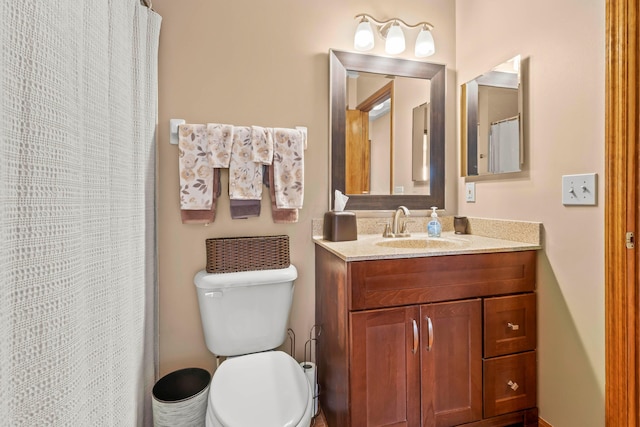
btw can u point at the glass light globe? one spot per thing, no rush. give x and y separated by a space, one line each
424 44
395 40
363 40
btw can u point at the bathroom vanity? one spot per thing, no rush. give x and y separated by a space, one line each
419 336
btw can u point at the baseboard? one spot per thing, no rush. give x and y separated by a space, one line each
543 423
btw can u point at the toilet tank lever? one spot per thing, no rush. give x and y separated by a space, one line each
213 294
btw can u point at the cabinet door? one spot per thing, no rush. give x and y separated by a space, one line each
451 350
384 369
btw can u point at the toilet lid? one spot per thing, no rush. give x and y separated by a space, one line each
261 389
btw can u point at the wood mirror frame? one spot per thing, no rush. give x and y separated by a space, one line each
340 62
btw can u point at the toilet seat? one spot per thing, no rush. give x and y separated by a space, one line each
261 389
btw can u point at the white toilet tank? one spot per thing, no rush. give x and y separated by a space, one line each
245 312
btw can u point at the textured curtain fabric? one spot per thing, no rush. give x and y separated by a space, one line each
504 146
78 111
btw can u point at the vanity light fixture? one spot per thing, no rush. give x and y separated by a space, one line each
390 30
395 39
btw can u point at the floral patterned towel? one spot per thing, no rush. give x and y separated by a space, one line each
245 175
262 145
220 138
196 174
288 167
205 216
279 216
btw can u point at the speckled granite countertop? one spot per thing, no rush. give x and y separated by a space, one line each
486 236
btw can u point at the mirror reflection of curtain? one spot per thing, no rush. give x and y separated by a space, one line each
504 146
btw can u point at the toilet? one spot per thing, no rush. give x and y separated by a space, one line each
245 317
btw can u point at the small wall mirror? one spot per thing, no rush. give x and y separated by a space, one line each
387 131
492 121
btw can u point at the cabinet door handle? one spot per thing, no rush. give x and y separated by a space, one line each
513 326
513 385
416 339
429 333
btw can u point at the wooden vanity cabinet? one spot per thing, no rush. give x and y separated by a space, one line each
426 341
384 374
393 380
451 353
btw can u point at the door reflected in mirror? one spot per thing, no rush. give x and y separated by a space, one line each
492 121
385 133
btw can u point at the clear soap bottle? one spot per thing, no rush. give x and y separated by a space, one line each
434 228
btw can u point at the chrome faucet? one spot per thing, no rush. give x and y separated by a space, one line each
396 216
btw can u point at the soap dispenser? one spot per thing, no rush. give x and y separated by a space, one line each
434 228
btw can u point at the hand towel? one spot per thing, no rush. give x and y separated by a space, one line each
280 216
204 216
196 174
262 145
243 209
220 140
288 167
245 175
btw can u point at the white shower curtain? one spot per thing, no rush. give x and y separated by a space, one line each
78 109
504 146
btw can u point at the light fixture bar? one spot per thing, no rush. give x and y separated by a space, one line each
391 32
392 20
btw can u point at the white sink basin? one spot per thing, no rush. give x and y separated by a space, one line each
425 243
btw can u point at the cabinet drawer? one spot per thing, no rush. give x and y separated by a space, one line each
509 324
509 383
393 282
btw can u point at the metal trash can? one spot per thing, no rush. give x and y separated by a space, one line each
180 398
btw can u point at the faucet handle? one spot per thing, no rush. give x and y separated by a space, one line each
387 229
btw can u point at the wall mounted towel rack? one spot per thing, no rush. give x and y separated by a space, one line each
174 123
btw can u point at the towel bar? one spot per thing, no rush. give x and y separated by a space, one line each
174 123
173 130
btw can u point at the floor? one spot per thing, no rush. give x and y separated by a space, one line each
319 421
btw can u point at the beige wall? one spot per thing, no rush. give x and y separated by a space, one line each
379 131
564 45
258 63
265 63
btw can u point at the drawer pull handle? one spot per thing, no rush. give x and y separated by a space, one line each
513 327
429 333
513 385
414 350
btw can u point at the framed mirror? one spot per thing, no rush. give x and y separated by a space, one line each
492 122
419 141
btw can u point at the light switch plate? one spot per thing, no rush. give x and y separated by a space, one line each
470 194
579 189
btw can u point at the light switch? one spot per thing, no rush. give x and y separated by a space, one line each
470 192
579 189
